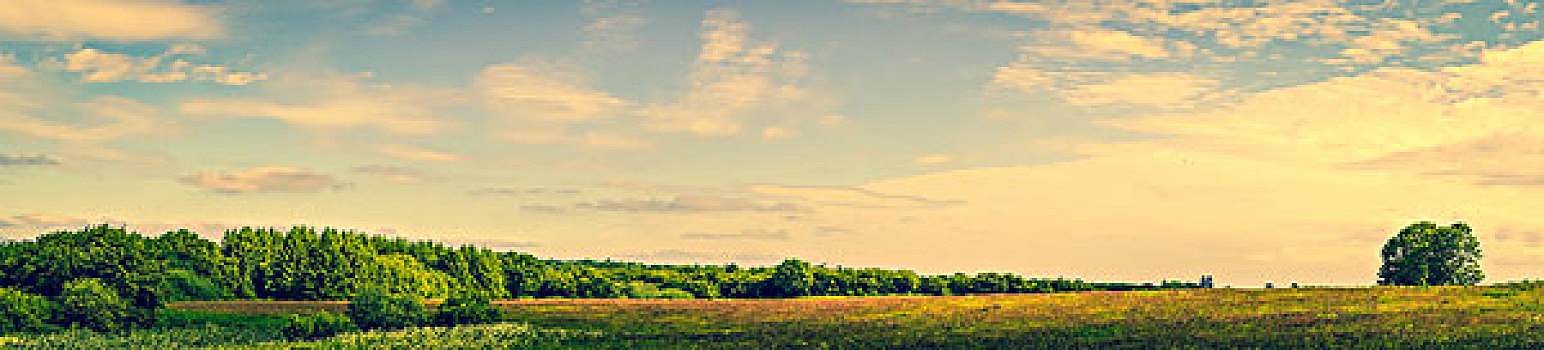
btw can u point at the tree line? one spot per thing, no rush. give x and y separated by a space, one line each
142 273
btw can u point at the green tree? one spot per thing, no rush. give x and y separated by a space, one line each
792 278
466 308
377 309
308 326
1424 254
22 312
122 261
89 303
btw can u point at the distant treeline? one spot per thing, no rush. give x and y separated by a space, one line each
304 263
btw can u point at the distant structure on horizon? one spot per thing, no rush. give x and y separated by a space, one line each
1206 281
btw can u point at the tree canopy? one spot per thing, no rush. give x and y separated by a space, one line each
1424 254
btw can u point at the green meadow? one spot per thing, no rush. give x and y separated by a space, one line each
1483 317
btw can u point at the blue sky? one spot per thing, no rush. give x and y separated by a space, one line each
1119 140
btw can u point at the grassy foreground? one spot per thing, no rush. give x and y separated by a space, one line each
1385 317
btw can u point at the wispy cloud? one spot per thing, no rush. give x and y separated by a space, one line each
543 208
688 203
172 65
46 221
848 196
748 234
10 160
400 174
406 152
1095 89
506 191
932 159
612 25
330 103
116 20
540 92
266 180
732 76
415 14
34 106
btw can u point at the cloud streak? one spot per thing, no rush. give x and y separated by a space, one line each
332 103
749 234
689 203
113 20
10 160
266 180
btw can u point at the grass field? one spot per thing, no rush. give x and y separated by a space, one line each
1407 317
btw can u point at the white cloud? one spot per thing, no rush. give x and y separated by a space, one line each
933 159
531 93
776 133
612 25
126 118
1099 44
39 221
731 78
171 65
398 174
266 180
416 14
33 106
1175 90
108 67
120 20
596 140
338 102
406 152
1156 90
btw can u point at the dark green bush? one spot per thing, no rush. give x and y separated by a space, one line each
1521 285
376 309
316 325
88 303
644 290
22 312
183 285
466 308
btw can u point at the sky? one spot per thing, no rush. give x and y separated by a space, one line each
1135 140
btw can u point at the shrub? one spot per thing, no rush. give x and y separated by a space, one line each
644 290
1522 285
466 308
22 312
316 325
88 303
183 285
376 309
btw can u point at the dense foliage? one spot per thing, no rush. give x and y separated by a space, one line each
314 325
22 312
107 278
466 308
378 309
1424 254
89 303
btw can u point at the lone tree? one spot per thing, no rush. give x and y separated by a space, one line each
1424 254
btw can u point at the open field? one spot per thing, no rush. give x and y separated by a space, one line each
1425 317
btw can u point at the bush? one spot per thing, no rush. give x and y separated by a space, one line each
316 325
644 290
22 312
184 285
88 303
377 309
466 308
